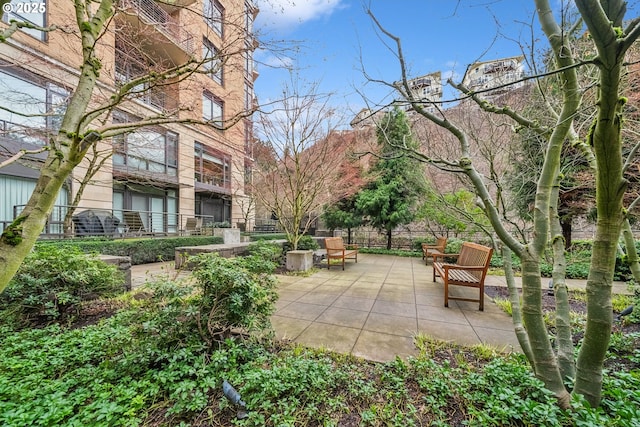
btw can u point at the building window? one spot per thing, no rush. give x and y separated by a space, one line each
129 66
212 61
248 97
34 110
248 137
211 166
31 12
158 208
214 16
248 62
146 149
212 109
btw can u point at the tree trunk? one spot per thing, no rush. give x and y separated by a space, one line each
566 360
632 253
514 298
388 240
606 140
566 224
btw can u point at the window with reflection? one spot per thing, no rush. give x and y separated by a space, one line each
32 12
212 167
213 61
33 108
147 149
212 109
213 13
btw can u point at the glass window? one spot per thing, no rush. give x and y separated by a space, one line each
155 150
33 12
214 15
212 167
213 61
33 110
212 109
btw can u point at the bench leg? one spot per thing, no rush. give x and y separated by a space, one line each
446 293
482 296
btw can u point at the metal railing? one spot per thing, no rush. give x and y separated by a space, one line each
163 22
117 223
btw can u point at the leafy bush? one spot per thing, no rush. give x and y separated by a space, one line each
266 250
141 251
304 244
267 236
236 294
53 281
396 252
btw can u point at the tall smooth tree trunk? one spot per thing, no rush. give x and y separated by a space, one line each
602 19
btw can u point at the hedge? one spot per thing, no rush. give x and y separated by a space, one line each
141 251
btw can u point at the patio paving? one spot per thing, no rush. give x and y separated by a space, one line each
374 308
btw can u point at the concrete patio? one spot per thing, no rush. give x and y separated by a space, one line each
373 309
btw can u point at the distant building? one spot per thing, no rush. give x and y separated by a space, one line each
168 172
427 90
494 78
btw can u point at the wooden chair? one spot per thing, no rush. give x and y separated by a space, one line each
437 249
336 250
193 227
133 223
470 270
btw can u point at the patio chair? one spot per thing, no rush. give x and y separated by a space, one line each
133 223
193 227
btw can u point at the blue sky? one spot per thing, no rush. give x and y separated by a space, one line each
329 36
437 35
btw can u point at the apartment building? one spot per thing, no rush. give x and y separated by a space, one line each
428 90
175 168
496 77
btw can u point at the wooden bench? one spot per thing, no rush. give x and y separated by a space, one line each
336 250
436 249
469 270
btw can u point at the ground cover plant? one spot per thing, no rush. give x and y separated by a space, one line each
155 359
119 372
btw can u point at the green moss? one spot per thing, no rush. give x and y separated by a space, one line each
12 235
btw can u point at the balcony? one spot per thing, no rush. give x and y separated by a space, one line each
500 67
212 183
158 32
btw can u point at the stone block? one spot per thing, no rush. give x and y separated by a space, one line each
299 260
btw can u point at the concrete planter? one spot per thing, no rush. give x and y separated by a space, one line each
299 260
229 235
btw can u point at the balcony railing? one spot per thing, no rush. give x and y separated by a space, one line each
153 14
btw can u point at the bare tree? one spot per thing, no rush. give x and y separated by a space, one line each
610 40
302 168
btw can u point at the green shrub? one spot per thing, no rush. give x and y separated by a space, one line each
53 281
304 244
236 294
268 236
141 251
266 250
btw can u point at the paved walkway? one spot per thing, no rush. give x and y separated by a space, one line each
373 309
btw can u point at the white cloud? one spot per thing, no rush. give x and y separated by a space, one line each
285 14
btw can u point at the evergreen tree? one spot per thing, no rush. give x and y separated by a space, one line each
343 214
390 199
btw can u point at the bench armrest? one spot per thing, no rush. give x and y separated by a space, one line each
351 246
426 246
436 256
